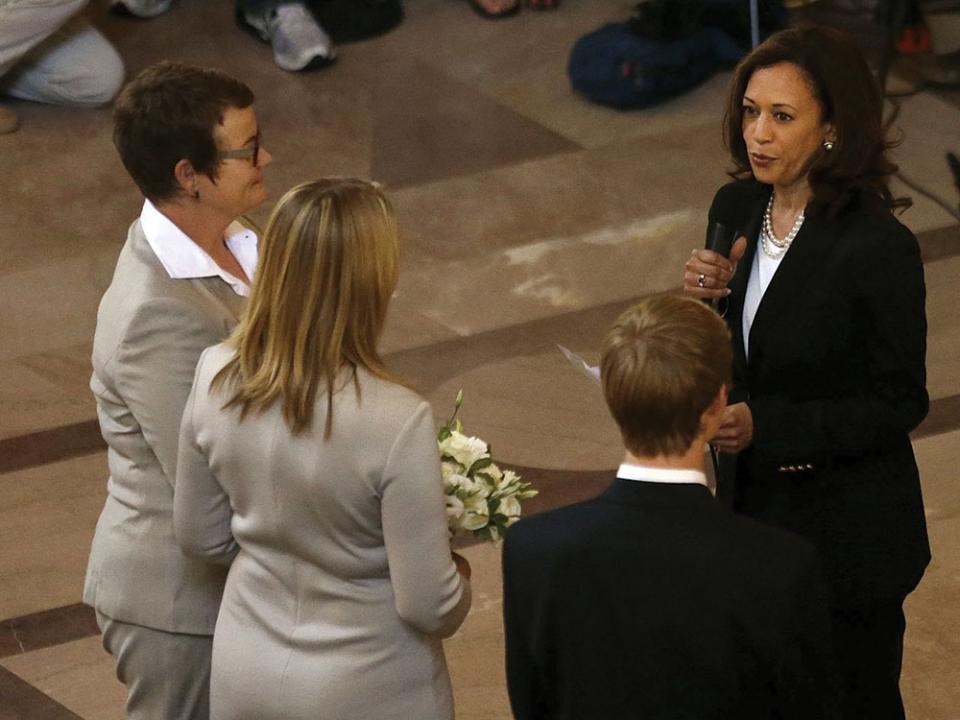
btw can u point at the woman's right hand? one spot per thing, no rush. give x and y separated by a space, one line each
707 273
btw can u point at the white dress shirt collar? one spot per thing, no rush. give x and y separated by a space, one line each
182 258
629 471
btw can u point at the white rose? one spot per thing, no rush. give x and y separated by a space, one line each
448 468
510 507
476 514
462 485
465 450
454 508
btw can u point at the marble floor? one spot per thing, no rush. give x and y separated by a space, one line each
530 218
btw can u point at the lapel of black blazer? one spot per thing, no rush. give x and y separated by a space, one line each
805 255
738 284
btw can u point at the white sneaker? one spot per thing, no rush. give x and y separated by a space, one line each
140 8
298 41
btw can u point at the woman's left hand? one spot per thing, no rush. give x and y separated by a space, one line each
736 429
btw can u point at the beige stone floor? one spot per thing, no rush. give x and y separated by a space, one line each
530 218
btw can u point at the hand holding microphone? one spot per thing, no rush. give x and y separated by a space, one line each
707 272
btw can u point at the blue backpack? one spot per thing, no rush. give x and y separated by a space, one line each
617 67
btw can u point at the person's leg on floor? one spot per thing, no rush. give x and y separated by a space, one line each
75 66
24 24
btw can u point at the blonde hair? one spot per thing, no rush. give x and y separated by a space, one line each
664 361
328 265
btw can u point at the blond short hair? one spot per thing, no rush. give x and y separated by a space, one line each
329 262
664 361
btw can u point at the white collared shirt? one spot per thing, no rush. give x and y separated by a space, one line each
629 471
182 258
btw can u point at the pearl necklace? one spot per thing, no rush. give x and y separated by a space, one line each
772 246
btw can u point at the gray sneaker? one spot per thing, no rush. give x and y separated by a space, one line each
140 8
298 41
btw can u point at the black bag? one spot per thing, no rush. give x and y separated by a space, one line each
614 66
667 48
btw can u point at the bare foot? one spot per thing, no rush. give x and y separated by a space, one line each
495 8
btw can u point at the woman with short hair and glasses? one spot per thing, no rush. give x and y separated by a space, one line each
189 138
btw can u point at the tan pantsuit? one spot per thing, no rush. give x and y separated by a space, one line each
151 329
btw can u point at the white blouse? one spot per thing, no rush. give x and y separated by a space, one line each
761 273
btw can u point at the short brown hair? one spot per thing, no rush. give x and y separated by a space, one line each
857 168
664 361
169 113
329 262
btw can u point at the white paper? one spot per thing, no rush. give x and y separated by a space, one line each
591 371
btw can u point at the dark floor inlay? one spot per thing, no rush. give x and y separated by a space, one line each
944 416
46 629
19 700
48 446
939 244
465 132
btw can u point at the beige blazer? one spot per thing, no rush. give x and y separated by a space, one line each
150 331
342 584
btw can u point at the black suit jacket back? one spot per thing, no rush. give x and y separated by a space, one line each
653 601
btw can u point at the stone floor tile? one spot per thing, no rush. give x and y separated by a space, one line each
47 521
79 675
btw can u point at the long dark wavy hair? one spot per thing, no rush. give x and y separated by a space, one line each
857 170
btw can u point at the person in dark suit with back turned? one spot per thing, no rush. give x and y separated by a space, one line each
826 310
653 600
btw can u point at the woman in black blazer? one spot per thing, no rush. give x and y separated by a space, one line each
824 296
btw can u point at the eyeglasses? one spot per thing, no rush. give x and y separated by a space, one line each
252 153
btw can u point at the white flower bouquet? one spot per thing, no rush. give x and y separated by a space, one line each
481 498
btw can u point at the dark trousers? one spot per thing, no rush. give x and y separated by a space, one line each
256 6
868 648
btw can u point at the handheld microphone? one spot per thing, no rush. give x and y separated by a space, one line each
720 237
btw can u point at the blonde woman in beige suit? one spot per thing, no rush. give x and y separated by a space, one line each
309 467
189 138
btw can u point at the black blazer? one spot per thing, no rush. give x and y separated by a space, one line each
835 381
654 601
